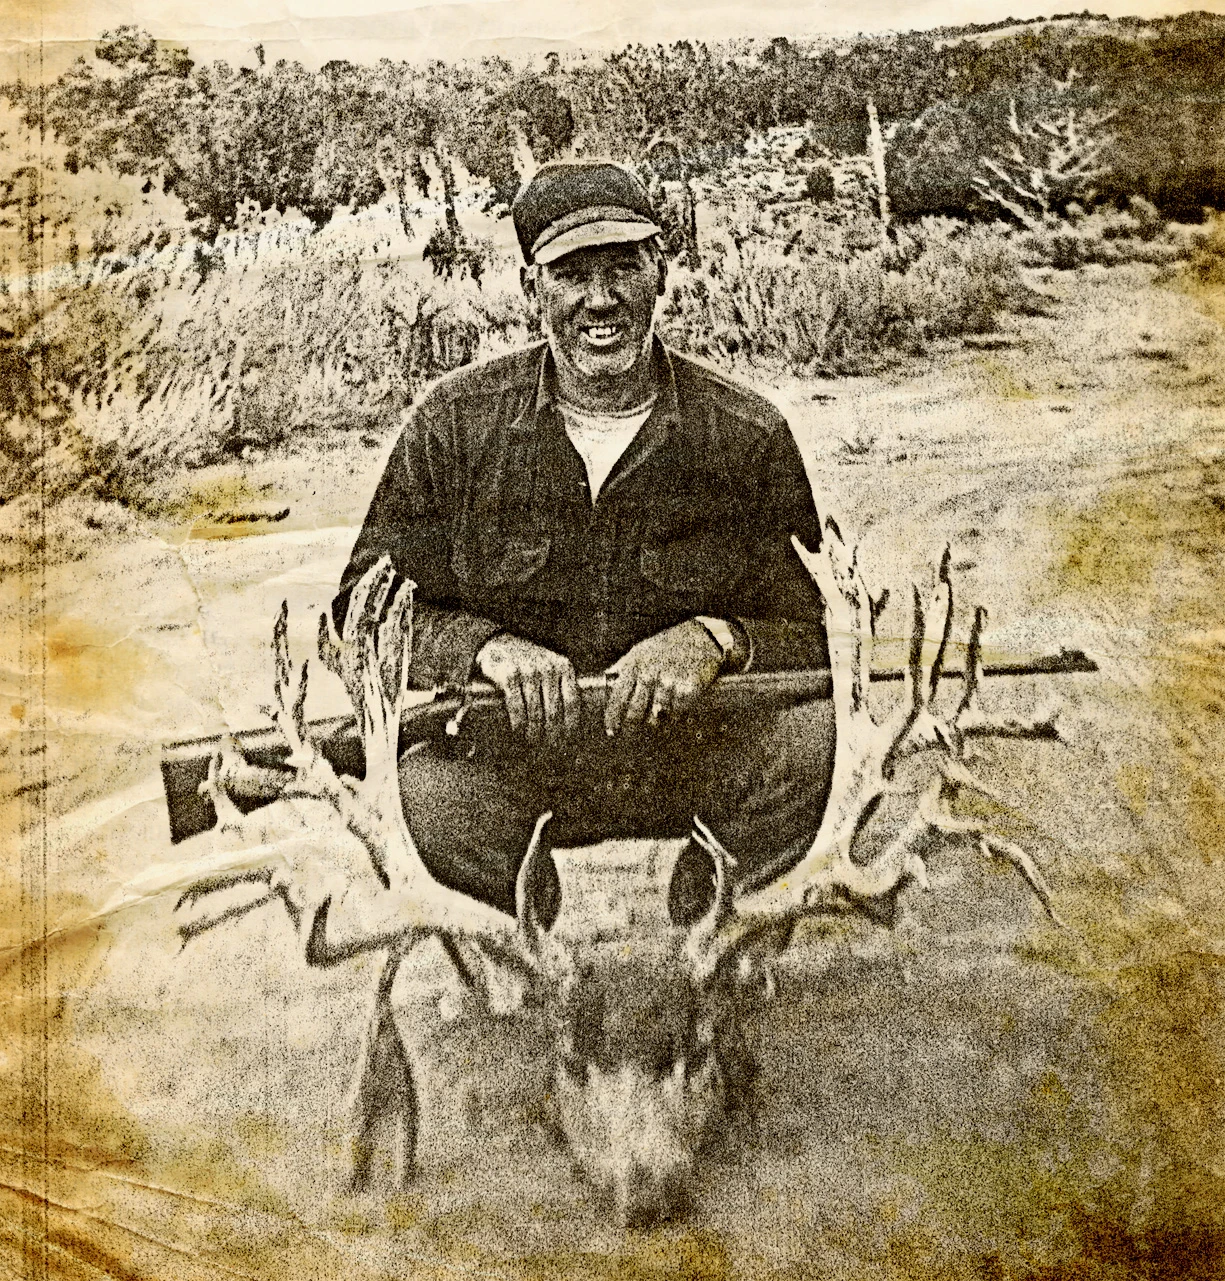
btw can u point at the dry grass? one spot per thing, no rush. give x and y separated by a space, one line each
188 355
211 356
836 298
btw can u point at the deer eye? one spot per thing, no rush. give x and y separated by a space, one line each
574 1067
698 1057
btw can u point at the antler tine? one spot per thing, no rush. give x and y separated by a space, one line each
999 848
721 908
362 617
848 615
544 952
944 603
970 721
395 644
289 710
918 727
974 666
222 881
901 861
527 883
213 787
328 643
703 946
297 711
193 928
280 647
914 698
366 605
827 878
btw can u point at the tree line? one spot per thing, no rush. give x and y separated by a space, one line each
281 136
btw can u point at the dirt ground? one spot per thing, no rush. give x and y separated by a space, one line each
975 1094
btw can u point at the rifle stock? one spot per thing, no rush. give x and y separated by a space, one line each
257 774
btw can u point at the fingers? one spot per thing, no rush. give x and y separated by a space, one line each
533 701
618 697
625 682
561 706
630 701
640 700
539 686
516 704
553 702
571 700
641 695
661 703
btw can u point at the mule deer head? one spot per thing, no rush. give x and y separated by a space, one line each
649 1056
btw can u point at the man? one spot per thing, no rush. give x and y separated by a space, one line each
598 503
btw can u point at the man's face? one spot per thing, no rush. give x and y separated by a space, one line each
597 305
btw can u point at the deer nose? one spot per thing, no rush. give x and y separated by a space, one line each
640 1205
645 1197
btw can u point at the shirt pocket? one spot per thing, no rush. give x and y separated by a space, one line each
494 564
695 568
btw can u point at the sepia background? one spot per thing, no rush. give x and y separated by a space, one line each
976 258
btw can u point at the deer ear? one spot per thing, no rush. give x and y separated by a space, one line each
704 941
537 890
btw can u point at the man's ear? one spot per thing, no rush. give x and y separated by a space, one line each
527 282
661 263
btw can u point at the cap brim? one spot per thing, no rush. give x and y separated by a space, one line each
595 233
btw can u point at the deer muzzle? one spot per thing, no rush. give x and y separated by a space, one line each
636 1135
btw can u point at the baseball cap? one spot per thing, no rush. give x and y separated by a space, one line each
573 204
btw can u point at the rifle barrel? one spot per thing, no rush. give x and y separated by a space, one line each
260 777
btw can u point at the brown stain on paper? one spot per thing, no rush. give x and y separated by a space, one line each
90 668
1153 558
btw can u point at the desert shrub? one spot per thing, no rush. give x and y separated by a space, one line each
1205 263
241 356
819 185
1108 237
811 306
961 279
450 253
1052 153
66 530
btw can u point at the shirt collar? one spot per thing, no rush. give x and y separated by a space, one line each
666 403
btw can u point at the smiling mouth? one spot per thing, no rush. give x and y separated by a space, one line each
601 335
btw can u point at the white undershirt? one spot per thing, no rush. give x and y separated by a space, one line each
602 438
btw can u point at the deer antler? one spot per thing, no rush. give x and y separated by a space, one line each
401 901
867 753
371 656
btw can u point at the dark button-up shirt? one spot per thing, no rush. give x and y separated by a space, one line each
485 504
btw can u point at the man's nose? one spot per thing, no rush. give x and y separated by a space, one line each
600 295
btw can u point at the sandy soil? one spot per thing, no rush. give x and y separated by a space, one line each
972 1095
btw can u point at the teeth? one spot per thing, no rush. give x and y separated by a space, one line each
601 331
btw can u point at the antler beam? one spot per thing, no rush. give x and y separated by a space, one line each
867 754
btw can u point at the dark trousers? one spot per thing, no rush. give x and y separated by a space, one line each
759 781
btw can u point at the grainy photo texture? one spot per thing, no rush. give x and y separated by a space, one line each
612 646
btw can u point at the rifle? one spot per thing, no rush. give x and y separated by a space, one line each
255 774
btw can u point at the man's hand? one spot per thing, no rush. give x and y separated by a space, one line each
540 688
662 676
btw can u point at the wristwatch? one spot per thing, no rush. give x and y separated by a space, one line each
722 634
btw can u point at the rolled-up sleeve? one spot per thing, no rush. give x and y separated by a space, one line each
408 521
